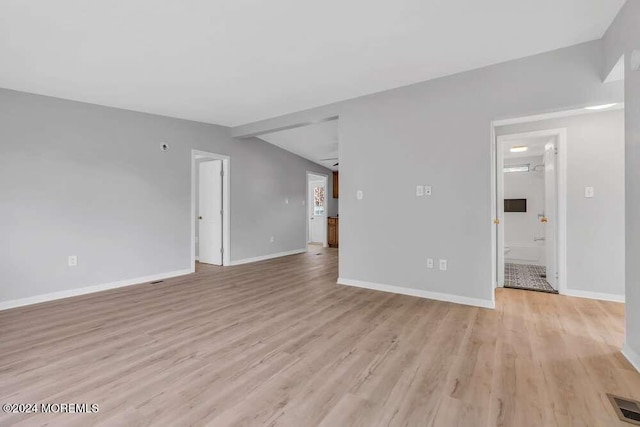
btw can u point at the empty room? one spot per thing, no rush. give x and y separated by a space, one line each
285 213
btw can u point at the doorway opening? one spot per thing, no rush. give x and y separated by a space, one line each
571 232
317 233
210 184
530 205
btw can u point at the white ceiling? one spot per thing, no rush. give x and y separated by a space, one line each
313 142
232 62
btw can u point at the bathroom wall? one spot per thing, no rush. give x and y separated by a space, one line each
521 228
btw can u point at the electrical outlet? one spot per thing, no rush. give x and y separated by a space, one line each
419 190
588 192
427 190
429 262
359 195
443 264
272 239
72 261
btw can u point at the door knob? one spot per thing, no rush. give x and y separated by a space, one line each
200 217
543 219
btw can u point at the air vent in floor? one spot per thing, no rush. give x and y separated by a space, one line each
628 410
157 281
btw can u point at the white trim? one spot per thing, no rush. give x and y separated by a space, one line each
476 302
497 247
5 305
325 239
495 275
226 204
559 114
631 356
593 295
269 256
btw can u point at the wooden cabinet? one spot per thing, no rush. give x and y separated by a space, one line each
333 231
336 191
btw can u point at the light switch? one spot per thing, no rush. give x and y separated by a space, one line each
72 261
419 190
359 195
429 262
427 190
588 192
443 264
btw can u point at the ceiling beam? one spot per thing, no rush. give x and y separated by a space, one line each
287 121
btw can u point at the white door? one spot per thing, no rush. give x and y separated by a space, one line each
550 218
317 211
210 212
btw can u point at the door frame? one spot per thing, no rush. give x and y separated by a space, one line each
497 210
325 238
226 197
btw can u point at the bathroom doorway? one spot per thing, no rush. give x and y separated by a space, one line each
530 208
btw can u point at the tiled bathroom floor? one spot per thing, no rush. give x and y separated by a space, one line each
528 277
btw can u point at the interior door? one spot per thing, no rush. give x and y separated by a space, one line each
317 212
550 218
210 212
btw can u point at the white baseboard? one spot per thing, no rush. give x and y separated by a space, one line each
269 256
593 295
5 305
476 302
632 356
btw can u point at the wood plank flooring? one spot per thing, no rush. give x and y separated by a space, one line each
279 343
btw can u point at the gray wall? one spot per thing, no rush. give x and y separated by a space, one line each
264 181
595 227
438 133
80 179
623 37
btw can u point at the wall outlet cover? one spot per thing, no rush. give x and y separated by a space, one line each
443 264
589 192
419 190
72 261
359 195
429 262
427 190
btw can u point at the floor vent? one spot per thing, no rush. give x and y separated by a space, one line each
627 410
157 281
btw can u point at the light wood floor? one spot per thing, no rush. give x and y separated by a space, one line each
279 343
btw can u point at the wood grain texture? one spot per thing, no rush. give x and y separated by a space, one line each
279 343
